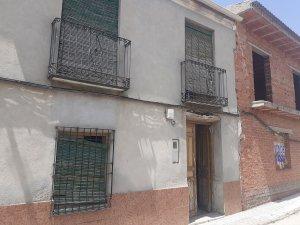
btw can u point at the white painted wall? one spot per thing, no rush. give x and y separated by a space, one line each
230 148
225 144
156 29
25 29
217 181
143 144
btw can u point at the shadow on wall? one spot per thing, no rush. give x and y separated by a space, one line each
144 139
27 147
26 114
23 128
24 55
25 31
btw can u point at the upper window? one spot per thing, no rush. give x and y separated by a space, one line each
85 46
262 77
297 90
202 82
102 14
82 179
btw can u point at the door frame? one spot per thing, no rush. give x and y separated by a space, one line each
208 140
191 171
194 123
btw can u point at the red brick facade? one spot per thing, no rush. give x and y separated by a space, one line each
260 180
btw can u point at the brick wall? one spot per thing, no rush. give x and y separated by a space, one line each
260 181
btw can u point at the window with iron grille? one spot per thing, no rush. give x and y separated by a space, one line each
86 48
102 14
199 44
202 82
83 169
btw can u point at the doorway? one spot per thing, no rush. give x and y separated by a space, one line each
199 164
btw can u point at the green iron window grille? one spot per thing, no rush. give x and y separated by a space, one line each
86 48
83 169
199 45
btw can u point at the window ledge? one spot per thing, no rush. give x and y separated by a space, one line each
275 109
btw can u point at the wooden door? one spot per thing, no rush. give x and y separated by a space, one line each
191 169
203 160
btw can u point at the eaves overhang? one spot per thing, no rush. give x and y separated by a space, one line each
221 10
260 21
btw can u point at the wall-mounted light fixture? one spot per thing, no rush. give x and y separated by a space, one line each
170 115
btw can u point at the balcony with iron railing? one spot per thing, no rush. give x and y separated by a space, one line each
88 56
203 84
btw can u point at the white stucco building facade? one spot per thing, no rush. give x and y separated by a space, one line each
147 186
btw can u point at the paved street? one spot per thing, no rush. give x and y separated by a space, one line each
261 215
291 220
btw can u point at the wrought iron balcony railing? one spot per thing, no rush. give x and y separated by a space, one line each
203 84
84 54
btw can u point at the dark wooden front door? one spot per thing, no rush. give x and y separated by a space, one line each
203 161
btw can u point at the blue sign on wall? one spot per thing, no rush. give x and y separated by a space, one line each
280 156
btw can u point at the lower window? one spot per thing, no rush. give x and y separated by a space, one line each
83 167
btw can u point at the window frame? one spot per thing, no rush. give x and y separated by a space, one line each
105 172
268 93
197 27
296 90
93 23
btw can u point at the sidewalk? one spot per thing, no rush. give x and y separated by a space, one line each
261 215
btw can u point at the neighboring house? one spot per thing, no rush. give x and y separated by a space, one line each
268 90
133 118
